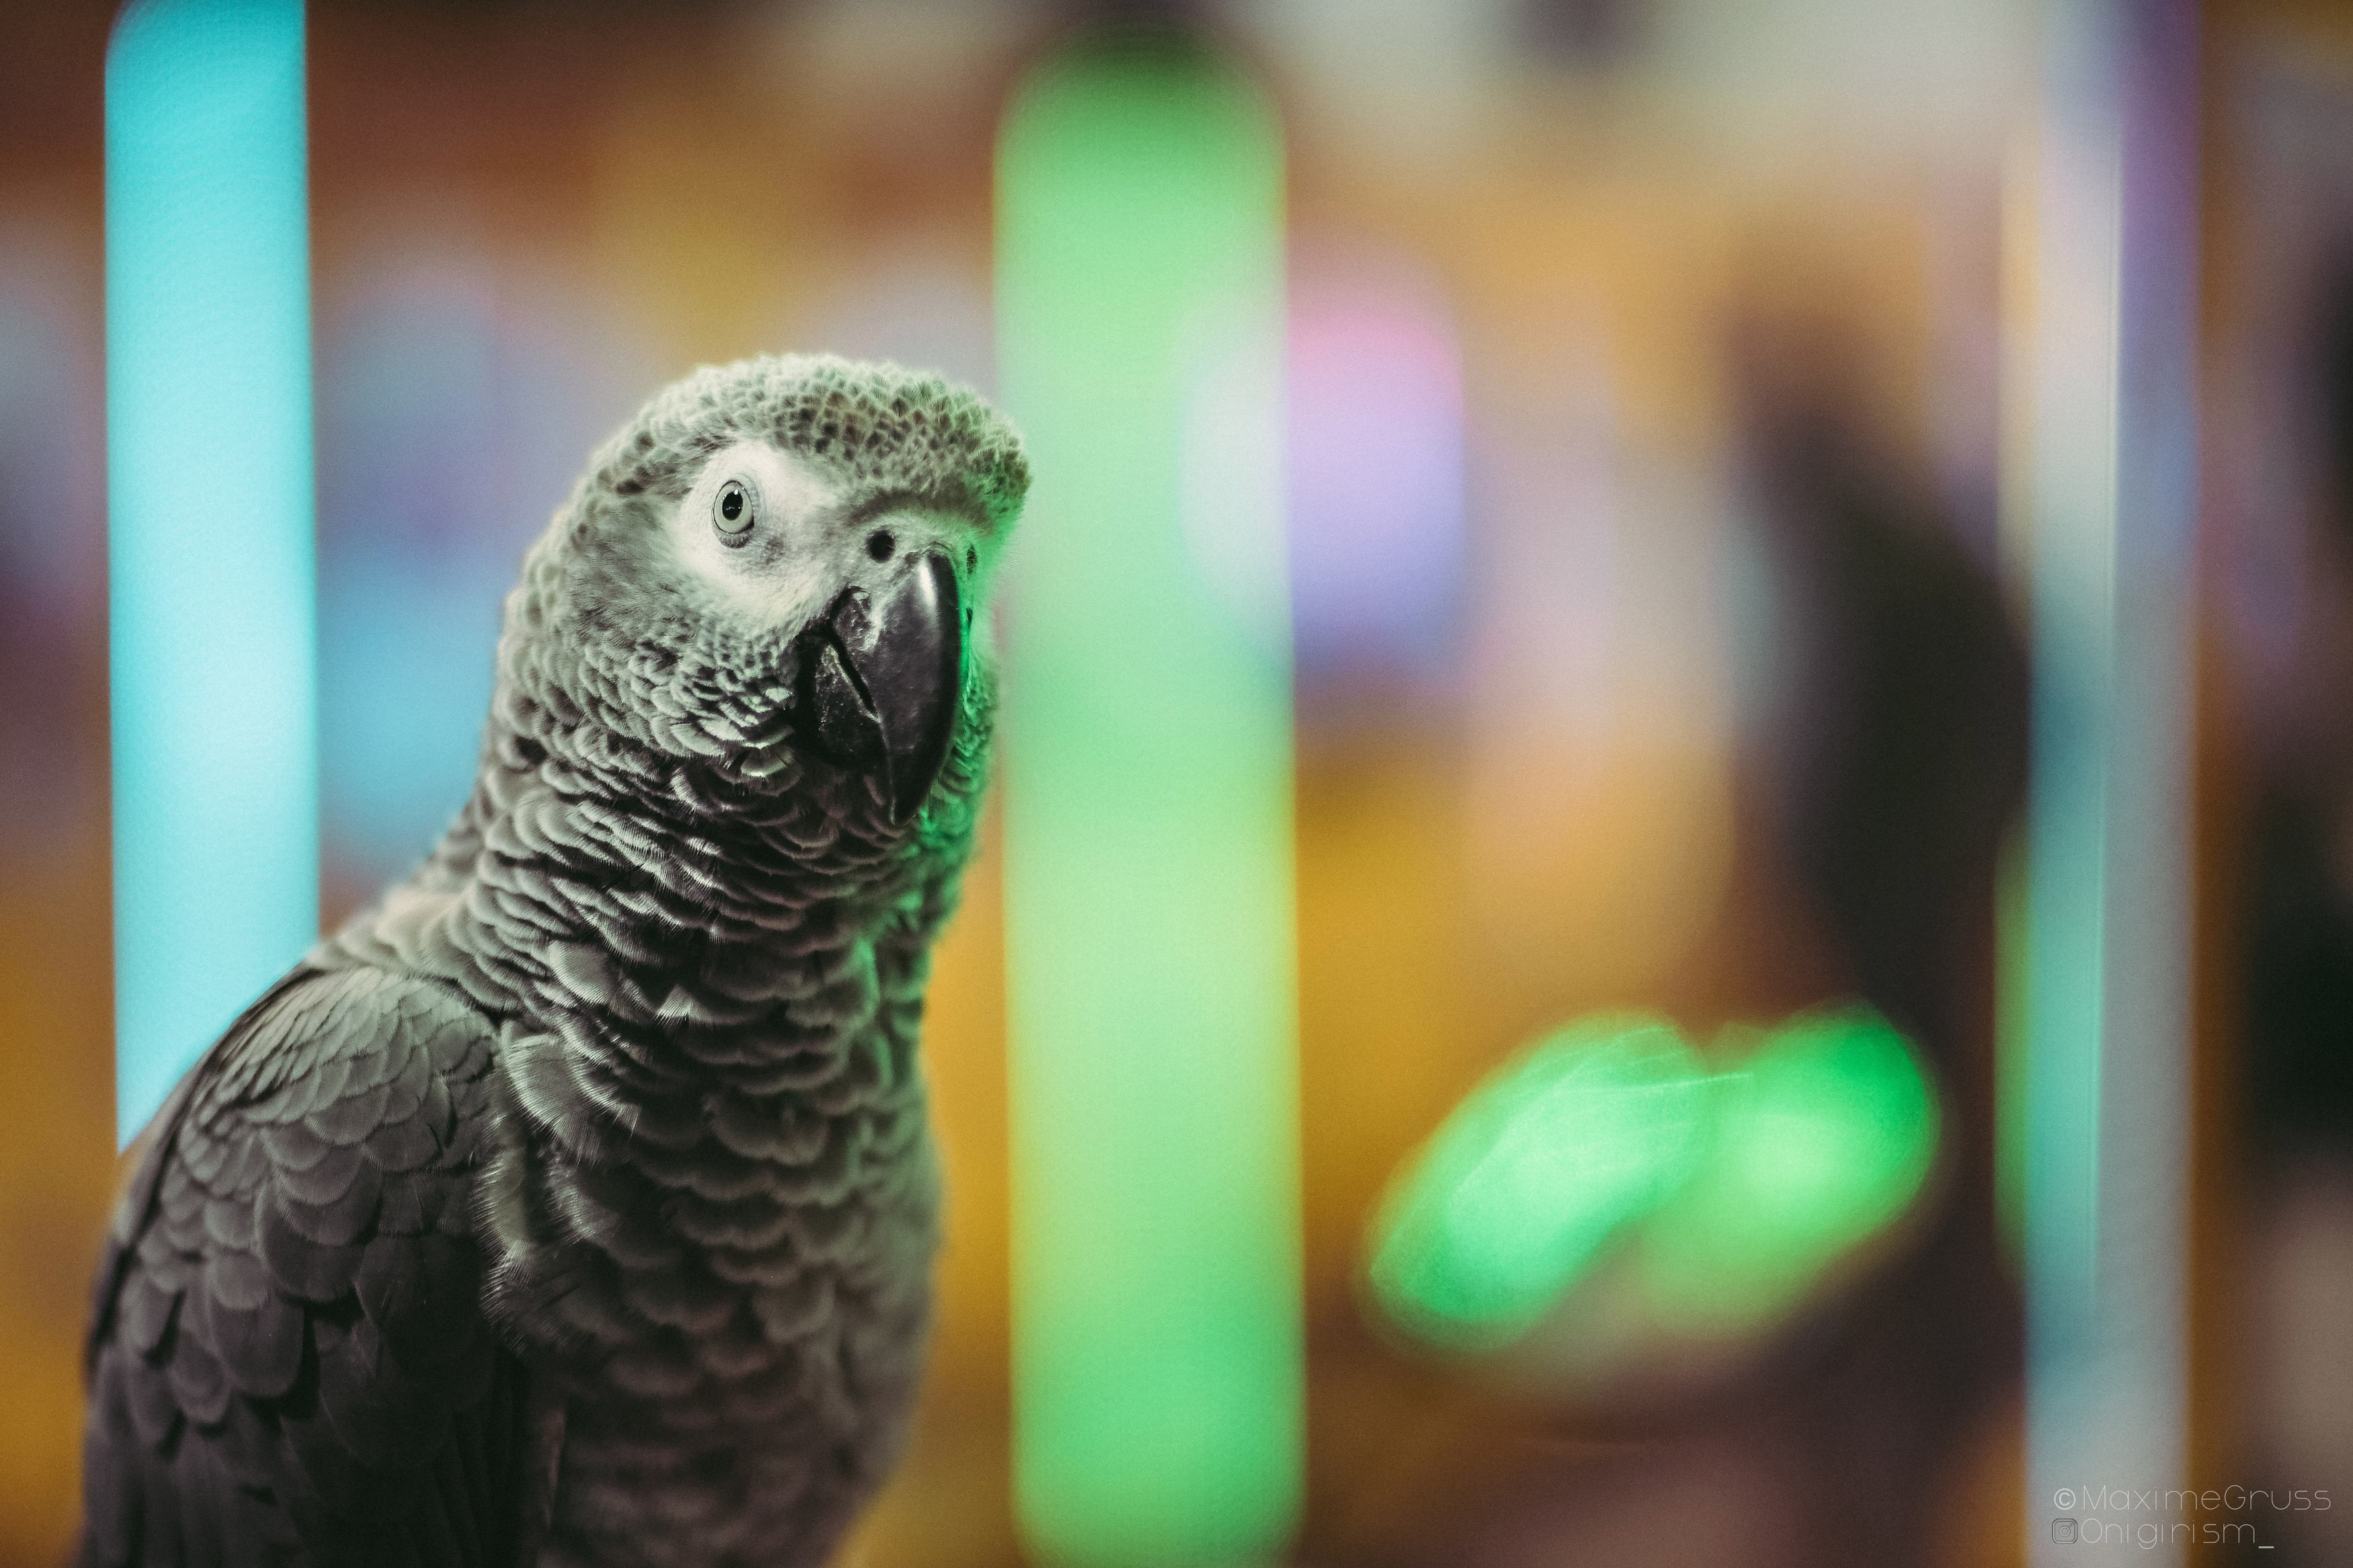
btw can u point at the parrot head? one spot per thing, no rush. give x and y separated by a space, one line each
774 568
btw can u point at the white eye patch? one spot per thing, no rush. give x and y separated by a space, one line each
756 530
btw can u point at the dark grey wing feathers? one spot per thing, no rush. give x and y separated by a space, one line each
136 1207
288 1362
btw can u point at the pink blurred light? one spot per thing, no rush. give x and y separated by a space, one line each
1376 473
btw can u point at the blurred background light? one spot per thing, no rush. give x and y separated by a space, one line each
52 573
412 566
1147 726
210 556
1737 1182
1376 470
1820 1138
1515 1194
456 401
2107 521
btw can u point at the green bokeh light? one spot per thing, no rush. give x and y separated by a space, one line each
1158 1403
1731 1191
1516 1193
1821 1138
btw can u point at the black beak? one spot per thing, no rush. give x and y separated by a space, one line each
880 683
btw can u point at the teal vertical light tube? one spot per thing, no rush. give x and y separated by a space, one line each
2114 485
208 525
1147 746
2070 910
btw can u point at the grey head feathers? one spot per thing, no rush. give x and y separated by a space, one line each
637 612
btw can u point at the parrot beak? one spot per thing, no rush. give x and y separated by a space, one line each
882 682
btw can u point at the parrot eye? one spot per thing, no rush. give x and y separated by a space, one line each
731 513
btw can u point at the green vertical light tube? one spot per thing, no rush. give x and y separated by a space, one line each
1147 736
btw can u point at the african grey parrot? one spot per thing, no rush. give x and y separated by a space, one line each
575 1203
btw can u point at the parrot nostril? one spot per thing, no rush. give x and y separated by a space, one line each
880 545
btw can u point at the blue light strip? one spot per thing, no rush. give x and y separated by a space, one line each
209 535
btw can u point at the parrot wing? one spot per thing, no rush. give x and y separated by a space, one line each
288 1358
